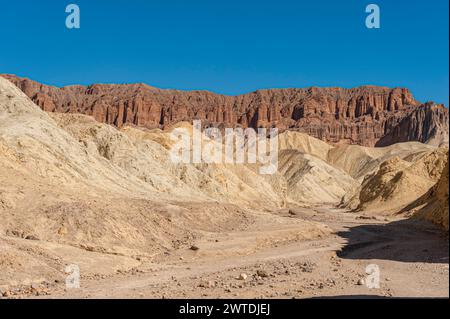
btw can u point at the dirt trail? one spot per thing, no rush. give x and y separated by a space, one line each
412 257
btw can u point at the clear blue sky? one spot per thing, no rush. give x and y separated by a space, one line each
230 46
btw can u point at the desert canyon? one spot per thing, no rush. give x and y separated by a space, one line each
86 179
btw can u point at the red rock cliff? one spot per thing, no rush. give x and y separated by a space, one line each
367 115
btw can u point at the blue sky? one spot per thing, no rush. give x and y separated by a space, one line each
230 47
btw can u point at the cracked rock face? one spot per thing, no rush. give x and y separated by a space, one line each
368 115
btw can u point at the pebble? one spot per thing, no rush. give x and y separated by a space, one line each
242 276
262 273
207 284
32 237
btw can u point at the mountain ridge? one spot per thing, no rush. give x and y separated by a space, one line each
366 115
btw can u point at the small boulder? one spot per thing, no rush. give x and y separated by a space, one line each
242 276
262 273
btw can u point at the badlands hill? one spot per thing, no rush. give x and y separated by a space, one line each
75 149
399 182
433 205
367 115
437 206
70 184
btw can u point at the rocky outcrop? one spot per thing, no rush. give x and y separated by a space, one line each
427 124
397 183
437 209
433 206
367 115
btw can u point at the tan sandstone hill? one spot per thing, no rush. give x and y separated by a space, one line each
399 182
433 206
359 161
73 190
437 208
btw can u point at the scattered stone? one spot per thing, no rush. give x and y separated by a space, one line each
242 276
194 248
307 266
207 284
361 282
31 237
262 273
366 217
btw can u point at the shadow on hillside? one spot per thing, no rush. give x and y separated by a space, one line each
409 240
